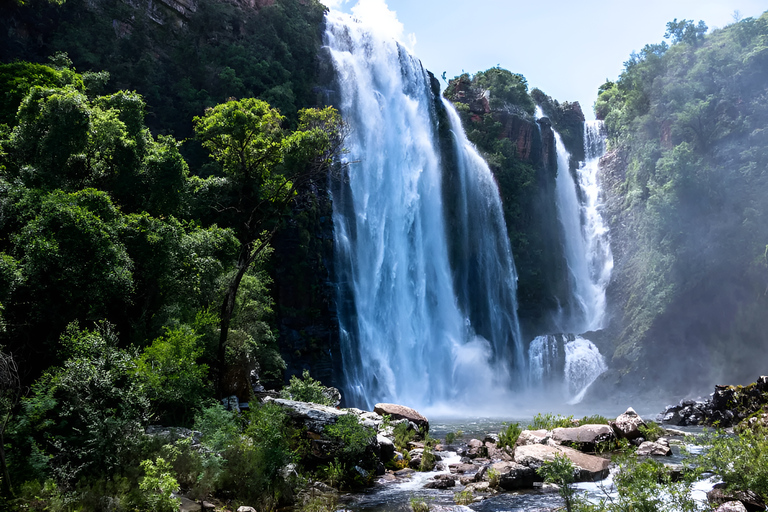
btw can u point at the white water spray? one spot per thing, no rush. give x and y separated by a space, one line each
407 335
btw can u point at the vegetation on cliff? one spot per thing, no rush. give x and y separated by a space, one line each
686 124
118 271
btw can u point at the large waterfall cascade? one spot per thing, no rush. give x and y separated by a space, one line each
409 333
590 262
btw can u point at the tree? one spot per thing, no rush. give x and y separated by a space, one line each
10 393
560 471
684 31
265 167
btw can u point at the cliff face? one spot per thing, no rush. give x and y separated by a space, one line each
522 156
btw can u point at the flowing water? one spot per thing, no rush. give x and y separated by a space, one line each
570 363
414 329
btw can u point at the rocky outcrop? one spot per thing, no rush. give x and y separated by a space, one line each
314 417
401 412
589 467
728 406
628 425
584 437
651 448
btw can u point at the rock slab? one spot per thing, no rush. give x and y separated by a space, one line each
401 412
590 468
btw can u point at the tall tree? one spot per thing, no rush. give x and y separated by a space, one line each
265 168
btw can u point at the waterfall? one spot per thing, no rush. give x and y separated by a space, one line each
590 262
587 248
414 330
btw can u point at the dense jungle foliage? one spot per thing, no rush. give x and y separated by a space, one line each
132 291
687 181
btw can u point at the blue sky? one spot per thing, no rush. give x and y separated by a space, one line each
565 48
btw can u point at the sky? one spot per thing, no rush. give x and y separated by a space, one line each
566 48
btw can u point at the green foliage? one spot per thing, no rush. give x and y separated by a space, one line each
428 458
507 89
306 389
334 473
651 431
508 435
684 31
740 461
648 486
450 437
403 435
157 485
687 122
562 472
353 438
493 477
549 421
418 504
463 498
595 419
85 417
174 380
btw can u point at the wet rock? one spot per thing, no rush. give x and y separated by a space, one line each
513 476
404 473
478 487
731 506
386 447
441 483
528 437
590 468
460 469
649 448
314 416
751 501
627 425
398 412
584 437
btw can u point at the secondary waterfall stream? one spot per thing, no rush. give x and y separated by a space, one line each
414 329
590 262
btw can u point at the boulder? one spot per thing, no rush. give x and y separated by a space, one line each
731 506
751 501
245 509
440 484
460 469
650 448
584 437
590 468
533 437
399 412
513 476
386 447
314 416
627 425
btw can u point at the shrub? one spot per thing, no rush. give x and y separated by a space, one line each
548 421
463 497
508 436
595 419
403 435
306 389
418 504
353 438
157 486
651 431
560 471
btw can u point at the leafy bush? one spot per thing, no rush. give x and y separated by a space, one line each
353 438
306 389
651 431
740 461
403 435
508 436
418 504
463 497
157 486
595 419
493 477
562 472
549 421
428 458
